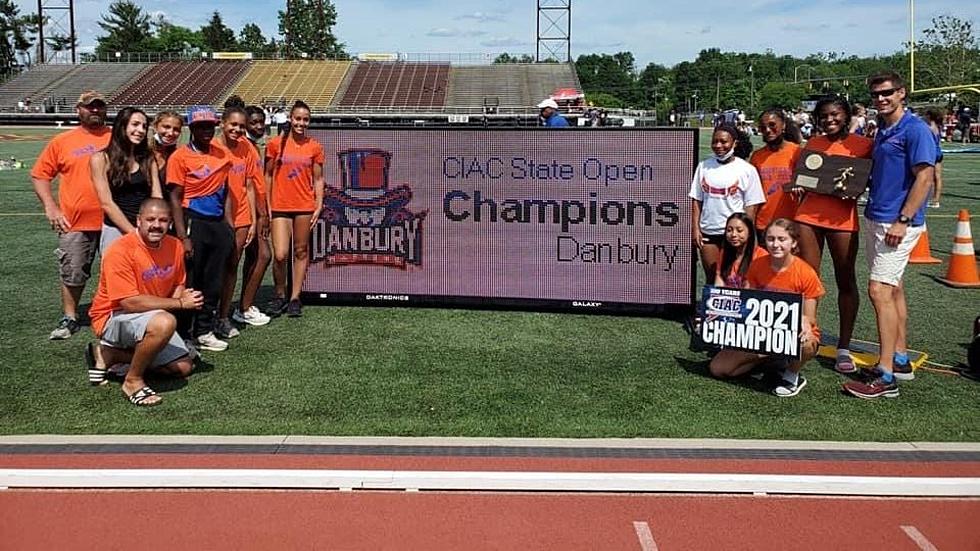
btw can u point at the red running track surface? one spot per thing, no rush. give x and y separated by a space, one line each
238 520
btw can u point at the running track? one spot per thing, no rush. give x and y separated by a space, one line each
78 518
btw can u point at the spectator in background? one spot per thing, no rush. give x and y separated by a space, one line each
965 120
77 215
859 119
934 118
281 120
550 116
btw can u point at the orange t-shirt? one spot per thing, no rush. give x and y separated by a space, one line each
292 188
733 279
201 174
260 196
244 165
775 170
130 268
798 277
827 211
68 155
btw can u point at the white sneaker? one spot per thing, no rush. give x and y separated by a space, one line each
208 341
252 316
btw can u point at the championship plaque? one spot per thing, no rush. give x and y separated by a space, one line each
844 177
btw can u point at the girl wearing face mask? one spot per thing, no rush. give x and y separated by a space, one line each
780 271
834 221
124 174
723 185
775 162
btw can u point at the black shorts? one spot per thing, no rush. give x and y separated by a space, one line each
716 240
291 214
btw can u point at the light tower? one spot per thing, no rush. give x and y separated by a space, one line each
57 20
554 30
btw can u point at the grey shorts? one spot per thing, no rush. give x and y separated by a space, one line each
124 331
76 252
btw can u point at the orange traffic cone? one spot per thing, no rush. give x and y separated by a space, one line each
962 263
921 254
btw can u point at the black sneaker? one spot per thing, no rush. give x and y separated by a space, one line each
224 329
275 307
903 372
294 309
66 328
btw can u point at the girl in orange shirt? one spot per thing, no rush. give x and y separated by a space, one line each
241 187
775 162
294 180
780 271
825 218
737 251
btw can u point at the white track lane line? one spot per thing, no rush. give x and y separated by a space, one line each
493 481
919 539
645 536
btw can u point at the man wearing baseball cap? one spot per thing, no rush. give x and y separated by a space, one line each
550 116
198 174
77 214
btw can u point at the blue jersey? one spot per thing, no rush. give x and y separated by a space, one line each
898 148
555 121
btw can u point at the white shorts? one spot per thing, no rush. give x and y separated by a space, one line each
887 264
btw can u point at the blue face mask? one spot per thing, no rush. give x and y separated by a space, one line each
157 138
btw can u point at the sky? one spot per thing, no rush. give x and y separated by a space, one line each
654 30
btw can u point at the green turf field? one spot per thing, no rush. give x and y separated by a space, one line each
399 371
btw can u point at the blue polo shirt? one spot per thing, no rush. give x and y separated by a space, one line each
555 120
897 149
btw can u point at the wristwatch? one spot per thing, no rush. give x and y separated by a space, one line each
902 219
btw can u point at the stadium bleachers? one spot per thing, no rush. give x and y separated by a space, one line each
178 83
397 84
107 78
28 83
328 86
513 85
315 82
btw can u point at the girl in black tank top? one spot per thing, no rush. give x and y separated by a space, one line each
120 171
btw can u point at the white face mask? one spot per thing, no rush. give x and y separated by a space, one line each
726 156
159 140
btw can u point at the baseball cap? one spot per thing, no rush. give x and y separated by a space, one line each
201 113
90 96
548 103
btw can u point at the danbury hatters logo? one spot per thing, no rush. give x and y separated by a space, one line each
365 222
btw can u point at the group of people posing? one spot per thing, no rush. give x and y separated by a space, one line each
172 223
740 200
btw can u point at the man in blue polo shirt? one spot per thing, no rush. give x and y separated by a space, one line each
550 116
901 178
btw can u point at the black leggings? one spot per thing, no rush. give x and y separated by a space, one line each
213 241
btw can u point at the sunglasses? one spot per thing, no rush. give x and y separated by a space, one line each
883 93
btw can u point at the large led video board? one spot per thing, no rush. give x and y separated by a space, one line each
582 218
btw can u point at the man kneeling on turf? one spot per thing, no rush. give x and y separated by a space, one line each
141 283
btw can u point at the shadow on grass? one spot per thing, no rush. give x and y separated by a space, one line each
700 368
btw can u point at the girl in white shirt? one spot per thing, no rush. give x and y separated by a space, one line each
723 184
